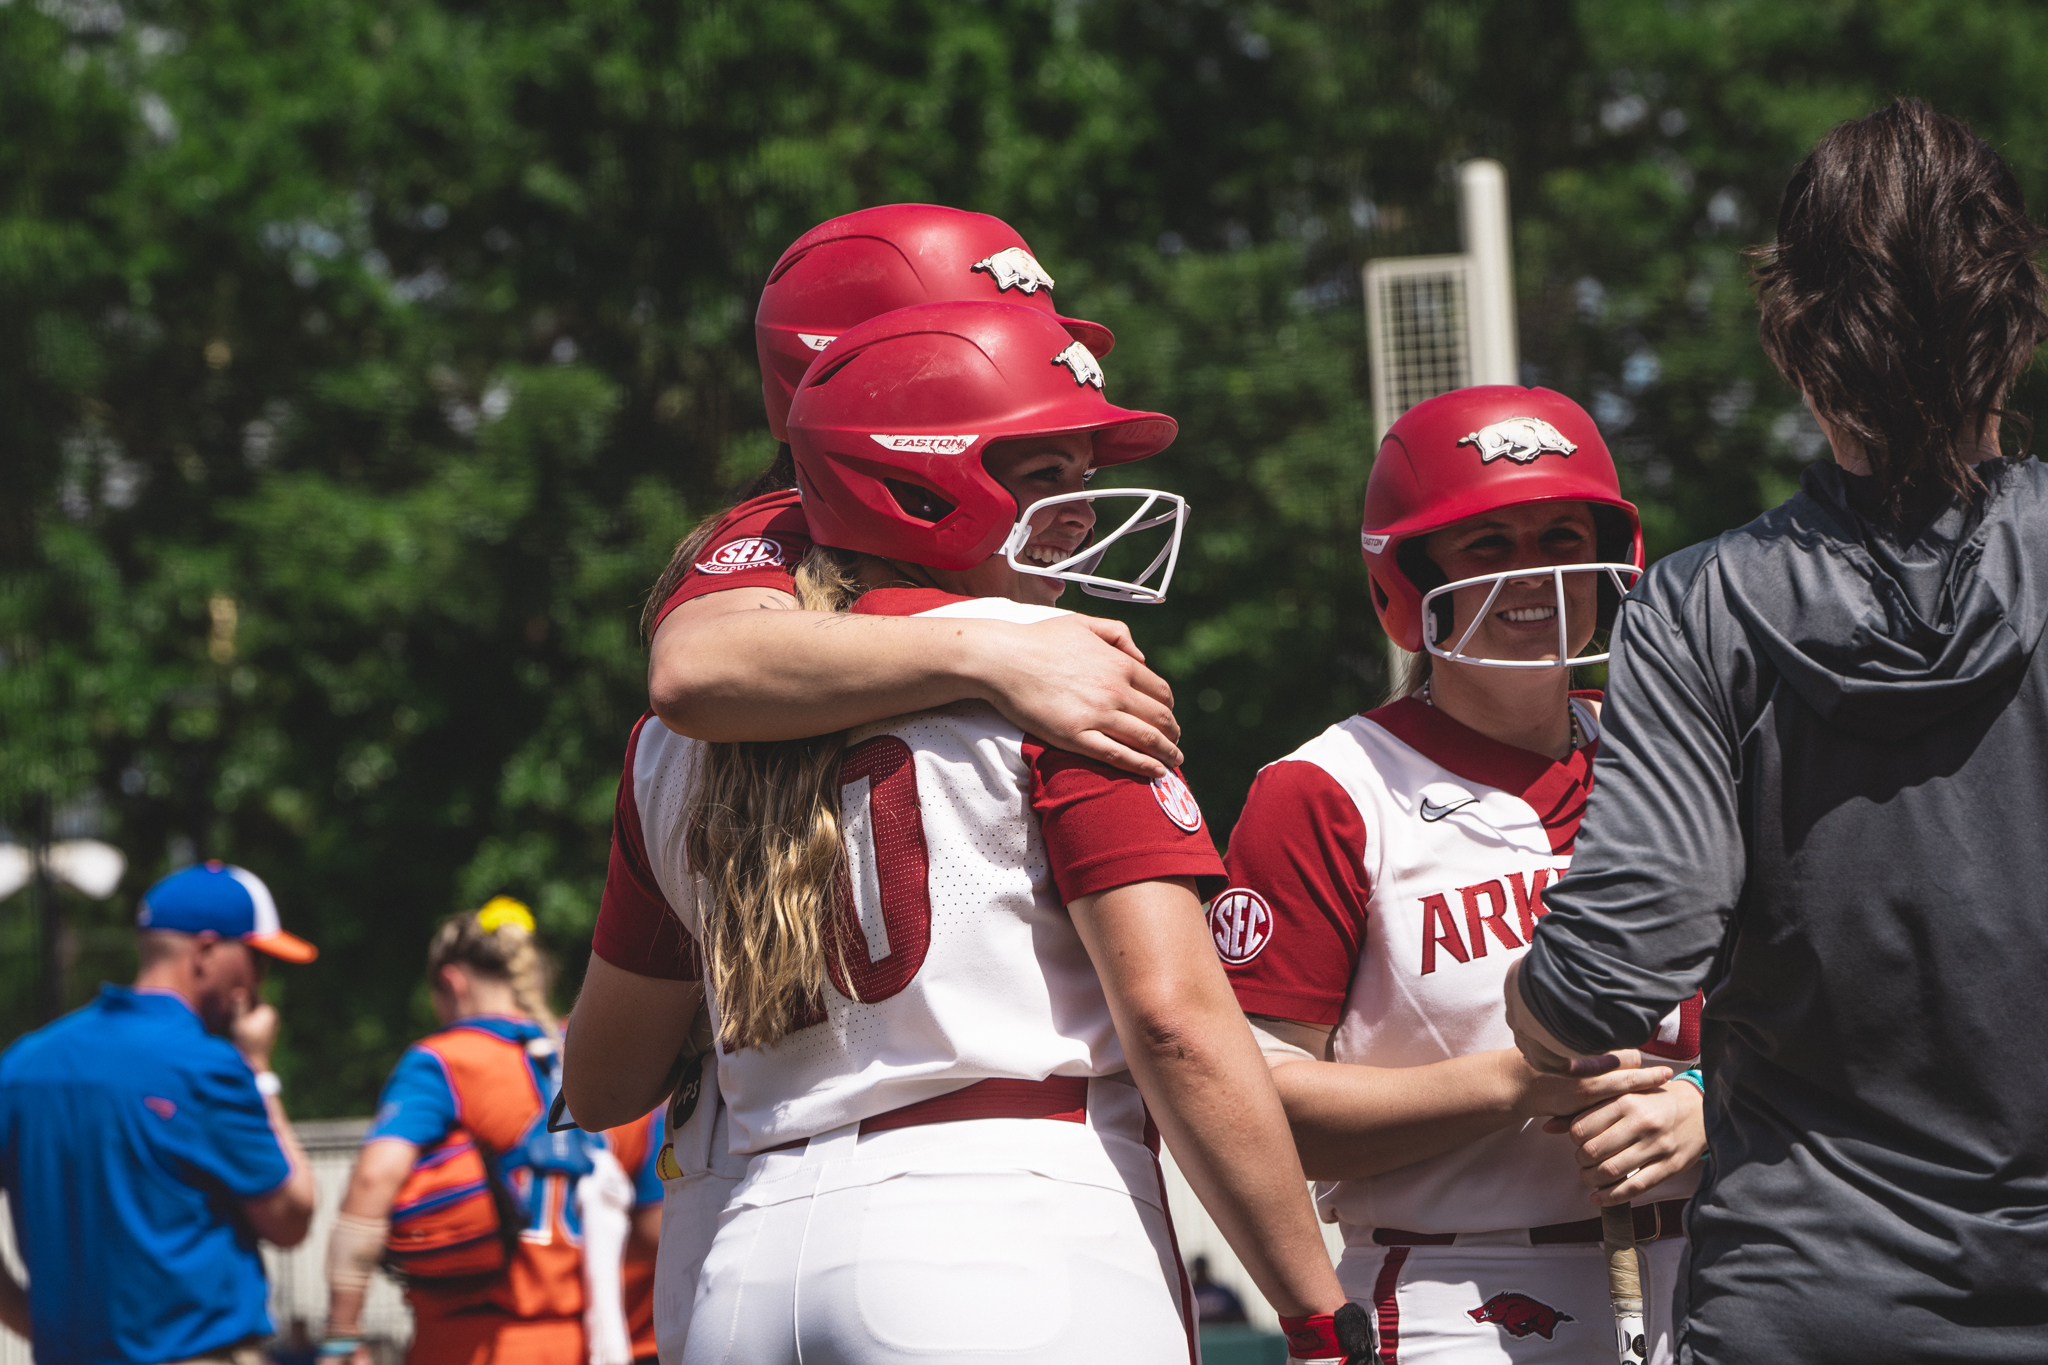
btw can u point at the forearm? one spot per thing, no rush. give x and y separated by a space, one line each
361 1226
284 1215
623 1039
14 1305
1193 1056
345 1311
1634 926
1213 1099
770 675
303 1188
1351 1122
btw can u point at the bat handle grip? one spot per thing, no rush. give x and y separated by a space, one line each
1624 1281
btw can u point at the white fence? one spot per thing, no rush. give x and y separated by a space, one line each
298 1281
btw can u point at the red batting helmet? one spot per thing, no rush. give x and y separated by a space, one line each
889 426
1471 451
861 265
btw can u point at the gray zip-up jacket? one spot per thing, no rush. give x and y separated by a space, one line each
1822 794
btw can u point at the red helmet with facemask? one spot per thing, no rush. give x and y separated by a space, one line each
861 265
890 425
1478 450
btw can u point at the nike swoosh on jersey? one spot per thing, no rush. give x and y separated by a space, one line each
1432 812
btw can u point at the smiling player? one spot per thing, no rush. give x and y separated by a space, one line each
951 967
1385 874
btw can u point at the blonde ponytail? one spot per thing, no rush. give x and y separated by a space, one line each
497 941
763 833
1406 673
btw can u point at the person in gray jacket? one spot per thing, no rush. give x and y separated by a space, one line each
1822 794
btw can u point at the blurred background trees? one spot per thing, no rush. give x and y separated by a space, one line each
359 364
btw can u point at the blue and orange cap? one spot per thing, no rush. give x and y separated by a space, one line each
226 900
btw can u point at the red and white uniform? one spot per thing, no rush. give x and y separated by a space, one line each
1383 878
758 544
965 840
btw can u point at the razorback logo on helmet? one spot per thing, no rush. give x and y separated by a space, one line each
931 445
1520 439
1177 801
815 341
1241 923
1081 361
1014 268
749 552
1519 1315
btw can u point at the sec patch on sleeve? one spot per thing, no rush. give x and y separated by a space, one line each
1177 801
1241 923
749 552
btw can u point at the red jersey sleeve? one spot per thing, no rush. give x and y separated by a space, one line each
758 545
636 930
1292 923
1105 828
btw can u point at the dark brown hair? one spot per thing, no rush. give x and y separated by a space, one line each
779 475
1901 295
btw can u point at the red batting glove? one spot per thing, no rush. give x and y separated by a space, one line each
1327 1338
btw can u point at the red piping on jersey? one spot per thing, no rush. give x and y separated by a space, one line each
1387 1307
1064 1098
1556 791
1056 1097
1189 1320
905 601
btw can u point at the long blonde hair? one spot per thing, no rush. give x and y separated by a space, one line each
1406 673
763 832
497 941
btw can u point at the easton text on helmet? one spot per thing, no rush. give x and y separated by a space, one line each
1520 439
1015 268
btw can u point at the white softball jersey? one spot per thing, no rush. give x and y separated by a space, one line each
1383 877
965 841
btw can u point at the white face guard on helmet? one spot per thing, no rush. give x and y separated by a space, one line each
1080 566
1555 573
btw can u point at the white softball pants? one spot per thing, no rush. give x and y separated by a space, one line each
1535 1305
1018 1241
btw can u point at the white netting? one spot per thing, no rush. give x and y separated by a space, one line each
1418 324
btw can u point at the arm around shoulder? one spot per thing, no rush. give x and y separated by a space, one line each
745 664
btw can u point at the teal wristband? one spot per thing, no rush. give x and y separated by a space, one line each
1694 1076
334 1348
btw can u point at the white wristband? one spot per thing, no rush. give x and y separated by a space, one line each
268 1084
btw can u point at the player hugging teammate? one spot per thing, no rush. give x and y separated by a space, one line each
1385 875
954 973
958 977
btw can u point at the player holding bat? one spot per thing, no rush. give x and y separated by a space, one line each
1386 874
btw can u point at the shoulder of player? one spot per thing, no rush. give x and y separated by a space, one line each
761 533
1342 758
933 602
781 511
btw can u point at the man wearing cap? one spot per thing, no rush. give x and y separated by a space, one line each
144 1149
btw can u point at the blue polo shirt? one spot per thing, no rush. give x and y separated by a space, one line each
129 1136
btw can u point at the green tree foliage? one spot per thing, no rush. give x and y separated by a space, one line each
361 363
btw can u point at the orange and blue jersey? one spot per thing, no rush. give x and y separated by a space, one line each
638 1146
477 1092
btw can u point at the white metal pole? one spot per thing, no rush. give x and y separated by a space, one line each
1490 297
